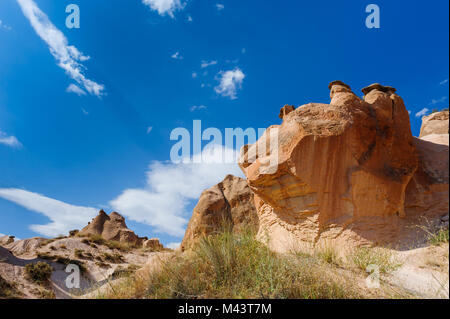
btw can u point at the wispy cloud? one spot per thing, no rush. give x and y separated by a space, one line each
164 7
438 101
422 112
10 141
177 56
198 107
64 217
171 188
220 6
443 82
72 88
230 82
4 26
149 129
206 64
189 18
68 57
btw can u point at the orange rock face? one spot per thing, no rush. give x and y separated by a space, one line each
341 173
229 203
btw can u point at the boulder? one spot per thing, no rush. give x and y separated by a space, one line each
341 174
435 123
112 227
227 204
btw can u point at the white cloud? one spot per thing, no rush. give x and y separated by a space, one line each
173 245
437 101
172 187
64 217
444 82
67 56
422 112
220 6
84 111
206 64
10 141
165 6
198 107
4 26
72 88
149 129
189 18
194 75
230 82
177 56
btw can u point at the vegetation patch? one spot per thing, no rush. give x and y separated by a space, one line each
226 265
380 257
8 290
439 237
39 272
112 258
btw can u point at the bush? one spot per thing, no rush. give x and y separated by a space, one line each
39 272
225 265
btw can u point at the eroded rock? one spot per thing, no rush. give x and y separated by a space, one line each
342 174
229 203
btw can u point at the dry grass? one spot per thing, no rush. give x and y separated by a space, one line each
94 240
39 272
225 265
383 258
328 254
8 290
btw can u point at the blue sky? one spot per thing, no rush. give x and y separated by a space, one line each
143 68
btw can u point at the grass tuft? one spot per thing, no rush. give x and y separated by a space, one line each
382 258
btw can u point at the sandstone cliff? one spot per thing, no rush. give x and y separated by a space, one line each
348 171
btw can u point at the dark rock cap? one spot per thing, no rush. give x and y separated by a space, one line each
379 87
338 83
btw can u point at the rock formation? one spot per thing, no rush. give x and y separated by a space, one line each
153 244
344 171
229 202
112 227
435 123
428 190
